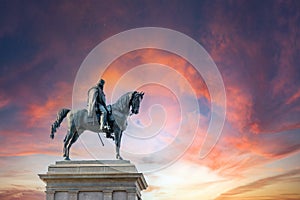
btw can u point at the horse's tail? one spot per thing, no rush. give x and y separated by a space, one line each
60 117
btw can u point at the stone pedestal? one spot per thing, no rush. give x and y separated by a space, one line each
93 180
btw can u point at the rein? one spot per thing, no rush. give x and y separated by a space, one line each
131 99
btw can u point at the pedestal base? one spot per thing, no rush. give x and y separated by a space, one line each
93 180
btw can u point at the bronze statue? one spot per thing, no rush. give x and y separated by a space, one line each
79 121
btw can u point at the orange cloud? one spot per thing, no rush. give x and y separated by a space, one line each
25 194
42 115
294 97
227 159
139 57
239 107
292 176
4 101
27 143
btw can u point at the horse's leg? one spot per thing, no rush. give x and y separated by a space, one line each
73 140
118 136
67 139
66 146
72 131
66 142
119 145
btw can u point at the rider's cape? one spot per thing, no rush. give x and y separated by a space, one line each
92 101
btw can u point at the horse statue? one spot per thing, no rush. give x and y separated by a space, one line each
78 121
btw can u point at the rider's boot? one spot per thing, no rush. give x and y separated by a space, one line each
102 122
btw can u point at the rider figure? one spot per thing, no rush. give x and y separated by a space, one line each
100 105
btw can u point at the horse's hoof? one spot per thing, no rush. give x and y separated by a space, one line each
67 158
119 157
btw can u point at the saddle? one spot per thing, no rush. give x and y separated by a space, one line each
110 120
110 117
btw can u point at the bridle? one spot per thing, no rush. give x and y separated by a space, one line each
131 99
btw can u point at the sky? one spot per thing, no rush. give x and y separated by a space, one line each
49 58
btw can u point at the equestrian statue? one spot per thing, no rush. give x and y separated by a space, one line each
99 117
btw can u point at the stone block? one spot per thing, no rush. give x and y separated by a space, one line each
93 180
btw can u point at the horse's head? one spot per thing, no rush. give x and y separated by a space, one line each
135 101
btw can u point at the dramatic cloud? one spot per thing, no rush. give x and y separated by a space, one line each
292 176
254 44
265 65
16 194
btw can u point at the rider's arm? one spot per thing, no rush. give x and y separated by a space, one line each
103 99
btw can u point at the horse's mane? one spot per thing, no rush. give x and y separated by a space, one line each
121 110
123 102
